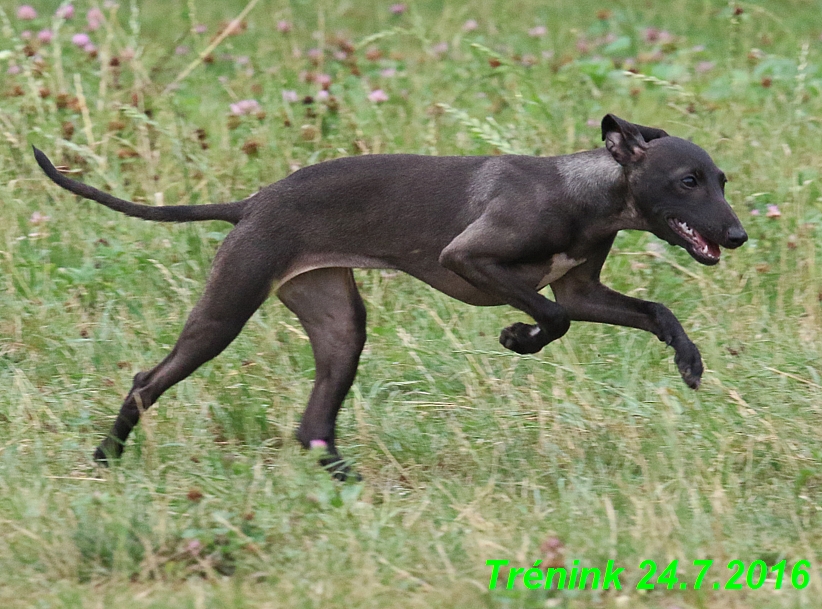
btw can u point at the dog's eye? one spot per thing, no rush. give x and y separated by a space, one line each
689 181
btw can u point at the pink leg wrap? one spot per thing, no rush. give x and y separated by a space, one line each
318 444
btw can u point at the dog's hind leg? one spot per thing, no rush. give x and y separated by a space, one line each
240 281
329 307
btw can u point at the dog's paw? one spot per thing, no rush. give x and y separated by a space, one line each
339 468
523 338
690 365
108 452
332 462
100 457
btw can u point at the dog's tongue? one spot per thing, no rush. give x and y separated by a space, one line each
706 247
699 243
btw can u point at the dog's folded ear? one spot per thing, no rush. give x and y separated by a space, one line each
626 141
651 133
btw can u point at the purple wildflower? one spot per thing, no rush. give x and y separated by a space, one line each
26 12
65 12
378 96
39 218
194 547
80 39
95 19
651 34
245 106
665 37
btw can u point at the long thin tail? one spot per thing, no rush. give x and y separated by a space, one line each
229 212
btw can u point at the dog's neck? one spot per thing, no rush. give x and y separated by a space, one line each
593 179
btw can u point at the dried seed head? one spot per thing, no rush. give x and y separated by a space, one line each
194 495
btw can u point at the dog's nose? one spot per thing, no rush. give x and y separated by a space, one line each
736 236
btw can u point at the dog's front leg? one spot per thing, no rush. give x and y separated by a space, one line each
491 267
586 299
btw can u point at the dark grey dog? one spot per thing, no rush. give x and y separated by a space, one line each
484 230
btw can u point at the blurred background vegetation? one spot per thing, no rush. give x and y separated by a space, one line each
591 450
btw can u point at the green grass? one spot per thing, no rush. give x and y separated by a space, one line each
468 452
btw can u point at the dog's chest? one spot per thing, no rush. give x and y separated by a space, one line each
560 264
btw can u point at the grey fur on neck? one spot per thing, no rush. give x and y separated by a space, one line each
591 177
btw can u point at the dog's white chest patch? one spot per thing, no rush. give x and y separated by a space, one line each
560 264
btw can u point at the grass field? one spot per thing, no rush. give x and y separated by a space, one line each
592 450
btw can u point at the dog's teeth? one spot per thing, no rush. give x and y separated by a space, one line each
685 228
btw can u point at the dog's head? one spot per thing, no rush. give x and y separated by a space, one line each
676 187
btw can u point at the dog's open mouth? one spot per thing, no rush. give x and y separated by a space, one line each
705 251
